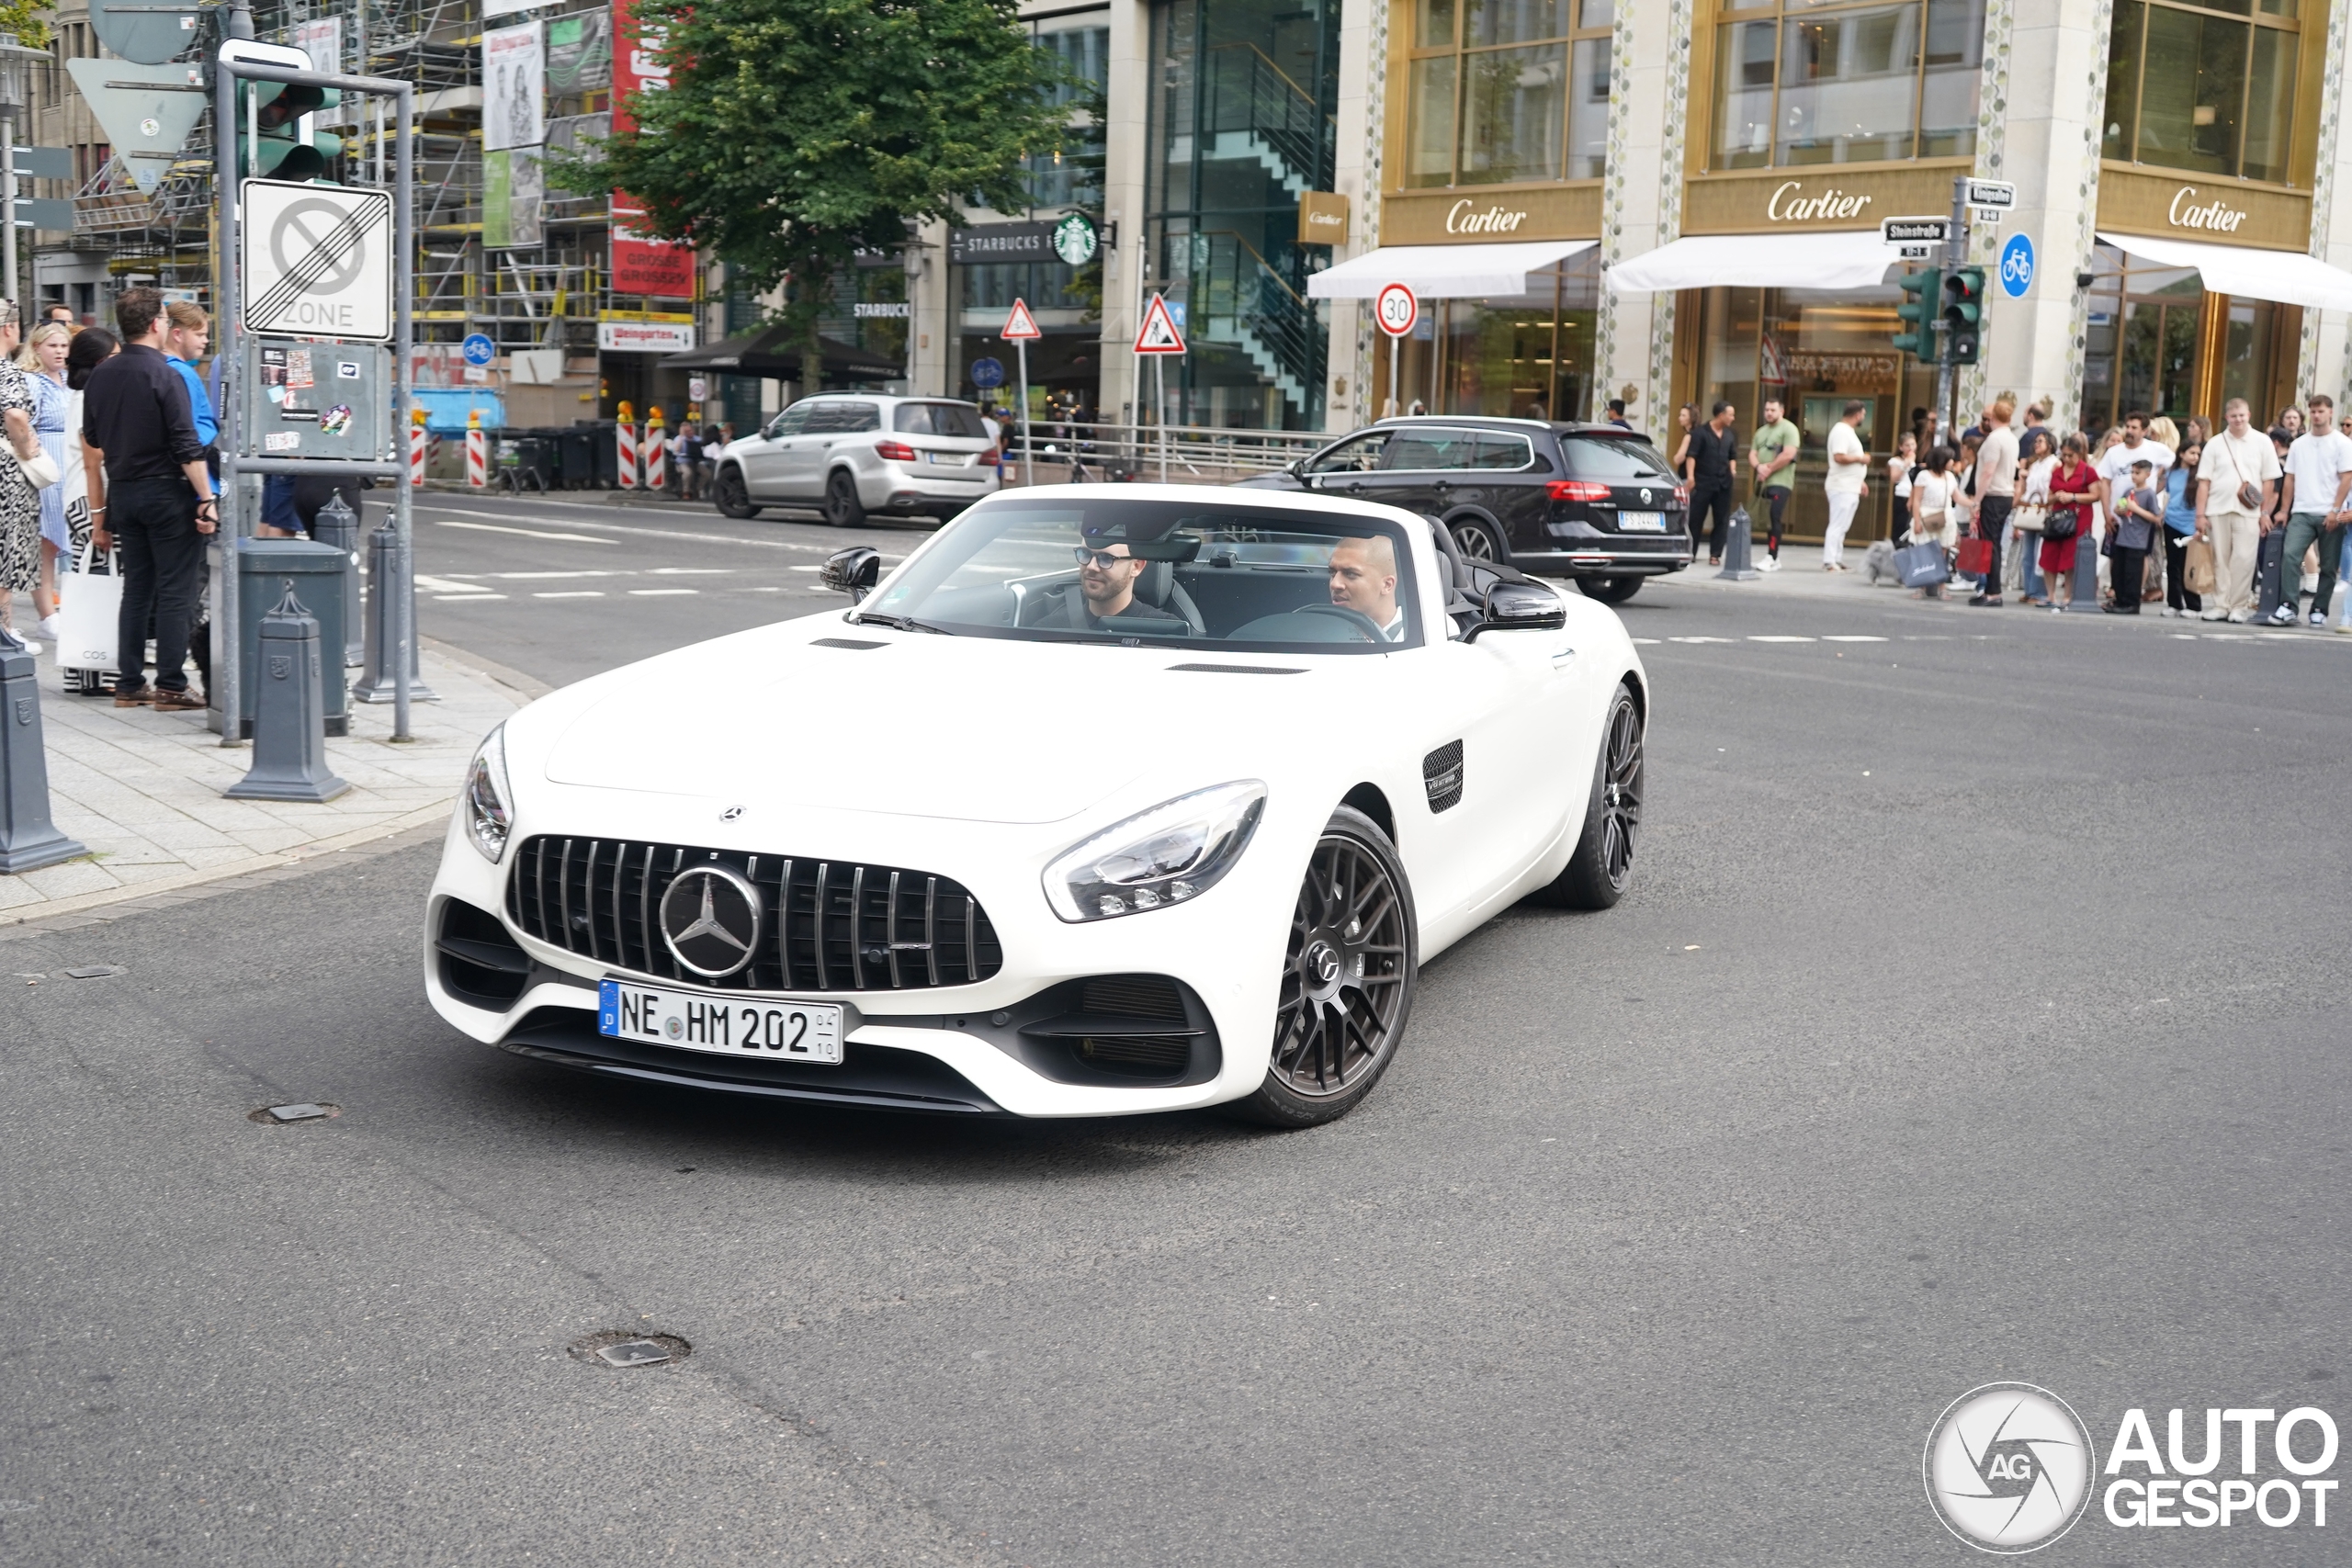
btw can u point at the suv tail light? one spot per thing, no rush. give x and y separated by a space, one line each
1576 490
894 451
1682 495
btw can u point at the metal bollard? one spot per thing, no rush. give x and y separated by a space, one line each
335 524
1736 567
383 571
290 712
29 840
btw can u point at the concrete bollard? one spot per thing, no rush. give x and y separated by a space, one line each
290 712
1736 566
29 840
335 524
383 572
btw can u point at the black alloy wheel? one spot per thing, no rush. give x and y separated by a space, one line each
1601 869
728 494
1474 540
1349 973
1609 589
843 509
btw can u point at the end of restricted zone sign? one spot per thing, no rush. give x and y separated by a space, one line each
317 261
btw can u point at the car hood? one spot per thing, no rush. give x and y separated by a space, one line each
976 730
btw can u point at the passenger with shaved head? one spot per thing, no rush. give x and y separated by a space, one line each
1364 579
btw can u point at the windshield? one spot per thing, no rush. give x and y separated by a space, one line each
1174 572
1604 457
939 419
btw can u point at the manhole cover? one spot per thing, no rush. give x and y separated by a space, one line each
278 1116
624 1349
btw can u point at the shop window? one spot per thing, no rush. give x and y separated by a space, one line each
1528 355
2207 86
2140 342
1499 91
1801 81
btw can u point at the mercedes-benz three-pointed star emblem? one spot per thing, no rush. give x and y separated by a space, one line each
710 920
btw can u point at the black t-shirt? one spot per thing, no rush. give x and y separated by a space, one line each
1712 456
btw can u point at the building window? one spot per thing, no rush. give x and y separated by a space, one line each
1504 90
2207 88
1802 81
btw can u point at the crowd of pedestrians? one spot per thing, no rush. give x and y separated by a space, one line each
2237 524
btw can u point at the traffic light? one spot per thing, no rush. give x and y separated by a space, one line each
1925 289
277 149
1964 312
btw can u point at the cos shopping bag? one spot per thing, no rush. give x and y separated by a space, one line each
1922 566
90 612
2196 571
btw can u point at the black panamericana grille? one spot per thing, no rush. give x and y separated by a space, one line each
824 925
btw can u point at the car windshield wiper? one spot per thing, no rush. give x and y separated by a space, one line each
897 623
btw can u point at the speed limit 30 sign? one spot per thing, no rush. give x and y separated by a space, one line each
1396 310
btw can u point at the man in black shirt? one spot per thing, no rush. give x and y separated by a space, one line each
150 489
1714 458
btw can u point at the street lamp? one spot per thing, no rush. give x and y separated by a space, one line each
13 56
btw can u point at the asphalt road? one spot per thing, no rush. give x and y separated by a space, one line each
1977 1016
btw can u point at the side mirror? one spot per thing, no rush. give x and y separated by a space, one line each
1520 607
856 571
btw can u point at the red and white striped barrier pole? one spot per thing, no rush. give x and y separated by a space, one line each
625 447
657 453
477 452
416 439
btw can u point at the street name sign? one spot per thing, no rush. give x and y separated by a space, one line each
1992 196
1914 231
317 260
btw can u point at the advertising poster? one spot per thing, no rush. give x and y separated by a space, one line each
580 52
322 40
514 74
514 198
577 136
643 265
638 63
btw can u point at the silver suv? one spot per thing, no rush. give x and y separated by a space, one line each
852 452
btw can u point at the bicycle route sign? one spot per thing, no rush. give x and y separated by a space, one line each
317 261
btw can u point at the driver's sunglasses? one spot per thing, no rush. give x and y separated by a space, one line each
1097 557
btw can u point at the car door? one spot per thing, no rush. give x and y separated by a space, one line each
1511 485
762 458
1347 467
845 436
800 469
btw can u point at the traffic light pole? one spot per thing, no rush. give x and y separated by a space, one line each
1947 372
401 595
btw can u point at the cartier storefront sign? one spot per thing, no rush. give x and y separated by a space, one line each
2196 206
1784 201
1463 216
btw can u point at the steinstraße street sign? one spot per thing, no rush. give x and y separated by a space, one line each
1914 231
147 111
1158 334
317 260
147 32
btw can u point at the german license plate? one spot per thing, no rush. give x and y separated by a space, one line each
1641 522
949 460
723 1026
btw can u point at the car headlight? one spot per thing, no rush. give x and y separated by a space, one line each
487 793
1173 852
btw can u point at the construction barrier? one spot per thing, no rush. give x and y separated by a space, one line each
625 447
417 444
477 452
656 450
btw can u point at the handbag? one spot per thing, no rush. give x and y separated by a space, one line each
89 614
1975 557
1923 566
2248 497
40 469
2196 573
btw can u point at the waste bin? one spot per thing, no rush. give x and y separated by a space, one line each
603 435
263 568
578 466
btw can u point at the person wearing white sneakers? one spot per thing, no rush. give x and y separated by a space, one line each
2235 486
1848 475
1772 453
2319 479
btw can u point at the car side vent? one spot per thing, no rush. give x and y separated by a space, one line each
481 964
1122 1027
1442 776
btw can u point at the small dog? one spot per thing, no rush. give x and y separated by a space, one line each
1877 565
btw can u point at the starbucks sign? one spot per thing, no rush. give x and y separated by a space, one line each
1074 239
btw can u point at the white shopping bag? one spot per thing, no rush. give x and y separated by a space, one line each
89 614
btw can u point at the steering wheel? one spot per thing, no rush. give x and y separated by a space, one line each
1356 618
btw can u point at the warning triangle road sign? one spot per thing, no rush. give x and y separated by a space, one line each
1020 324
1159 334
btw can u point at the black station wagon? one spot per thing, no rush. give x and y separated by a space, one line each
1591 502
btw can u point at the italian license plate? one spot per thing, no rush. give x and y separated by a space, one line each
1641 522
724 1026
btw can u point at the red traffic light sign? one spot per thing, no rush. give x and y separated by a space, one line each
1396 310
1020 324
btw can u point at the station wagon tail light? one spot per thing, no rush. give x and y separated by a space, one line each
1576 490
1170 855
894 451
1682 495
486 803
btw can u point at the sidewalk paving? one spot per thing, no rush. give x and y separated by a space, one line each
143 789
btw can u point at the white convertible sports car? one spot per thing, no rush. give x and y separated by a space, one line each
1109 799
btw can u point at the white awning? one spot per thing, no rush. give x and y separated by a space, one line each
1756 261
2283 276
1443 272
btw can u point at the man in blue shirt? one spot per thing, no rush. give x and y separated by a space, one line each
186 342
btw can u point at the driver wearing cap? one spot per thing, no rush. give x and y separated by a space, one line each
1364 579
1103 598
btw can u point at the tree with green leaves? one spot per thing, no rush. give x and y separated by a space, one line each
795 132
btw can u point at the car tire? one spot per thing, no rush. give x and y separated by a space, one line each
1601 869
727 493
1476 540
1609 589
1349 972
843 509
